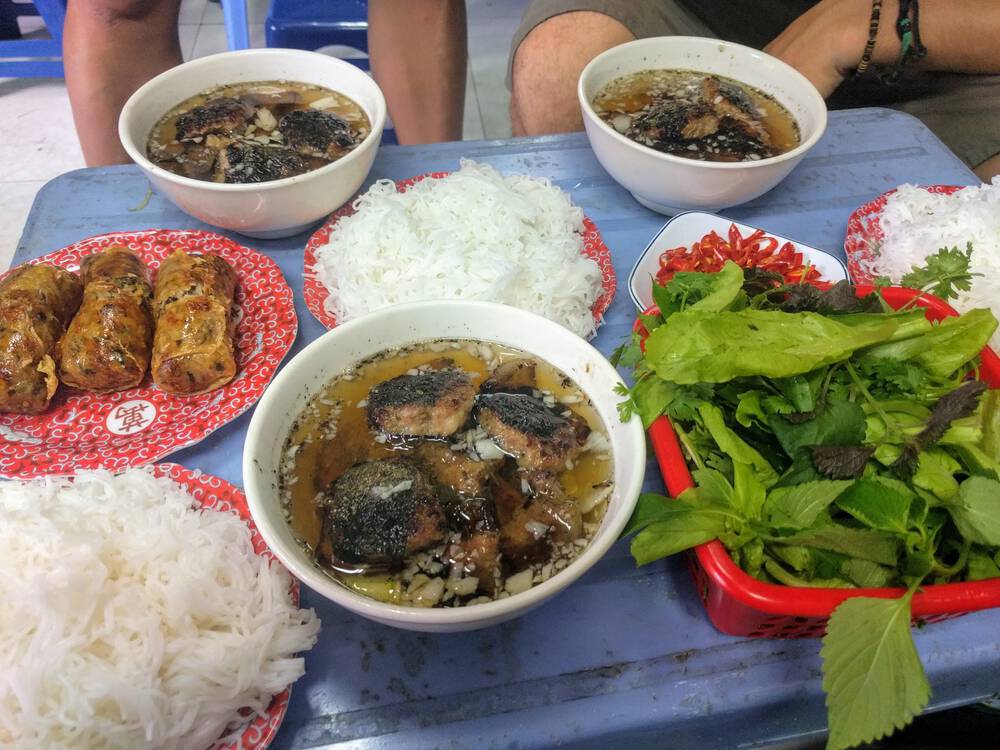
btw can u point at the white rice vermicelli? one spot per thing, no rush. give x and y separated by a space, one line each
130 619
473 235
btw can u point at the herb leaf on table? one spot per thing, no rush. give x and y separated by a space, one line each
872 675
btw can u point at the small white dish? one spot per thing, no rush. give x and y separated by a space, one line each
392 327
687 228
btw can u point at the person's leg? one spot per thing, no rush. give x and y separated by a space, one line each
557 39
110 48
419 57
989 168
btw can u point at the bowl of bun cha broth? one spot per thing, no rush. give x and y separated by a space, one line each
689 123
264 142
444 465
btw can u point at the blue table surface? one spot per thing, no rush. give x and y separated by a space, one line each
625 657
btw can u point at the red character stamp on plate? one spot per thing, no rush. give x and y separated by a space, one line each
132 416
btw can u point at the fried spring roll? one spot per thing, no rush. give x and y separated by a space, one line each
195 346
36 303
107 345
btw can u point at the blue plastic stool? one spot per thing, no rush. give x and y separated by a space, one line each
42 57
312 24
53 12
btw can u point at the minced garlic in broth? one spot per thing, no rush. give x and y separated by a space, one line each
163 148
332 434
633 92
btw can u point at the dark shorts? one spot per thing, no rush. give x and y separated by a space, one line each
960 109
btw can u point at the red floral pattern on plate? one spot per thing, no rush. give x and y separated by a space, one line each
218 494
82 430
863 242
315 293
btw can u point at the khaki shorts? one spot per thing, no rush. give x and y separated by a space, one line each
962 110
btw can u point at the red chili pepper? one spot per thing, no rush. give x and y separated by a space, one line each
758 250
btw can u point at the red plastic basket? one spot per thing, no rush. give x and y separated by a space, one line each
739 604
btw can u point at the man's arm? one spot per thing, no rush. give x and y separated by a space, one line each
419 56
826 42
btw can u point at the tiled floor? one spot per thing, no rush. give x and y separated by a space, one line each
38 142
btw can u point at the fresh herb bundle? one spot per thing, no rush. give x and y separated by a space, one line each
834 442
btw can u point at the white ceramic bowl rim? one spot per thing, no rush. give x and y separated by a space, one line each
293 557
818 102
138 155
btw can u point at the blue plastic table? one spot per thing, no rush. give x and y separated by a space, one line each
626 657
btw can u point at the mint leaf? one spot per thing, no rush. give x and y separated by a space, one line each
872 674
976 510
681 526
798 506
879 504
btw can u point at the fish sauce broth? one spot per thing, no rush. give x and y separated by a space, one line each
697 116
505 485
257 132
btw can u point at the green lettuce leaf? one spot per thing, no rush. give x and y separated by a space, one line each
695 346
872 674
734 446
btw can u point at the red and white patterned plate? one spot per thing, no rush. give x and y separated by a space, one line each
82 430
864 239
315 293
218 494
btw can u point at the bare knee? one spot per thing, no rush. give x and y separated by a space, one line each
547 65
114 12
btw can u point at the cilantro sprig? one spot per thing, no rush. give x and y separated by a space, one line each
944 274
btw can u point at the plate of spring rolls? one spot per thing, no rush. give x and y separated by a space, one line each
122 348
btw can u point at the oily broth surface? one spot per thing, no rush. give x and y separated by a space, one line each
631 93
163 136
332 434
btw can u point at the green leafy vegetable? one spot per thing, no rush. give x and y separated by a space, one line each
872 674
680 526
879 504
837 444
696 346
943 274
841 461
864 544
798 507
976 511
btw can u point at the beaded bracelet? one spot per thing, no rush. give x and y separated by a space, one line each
909 37
866 58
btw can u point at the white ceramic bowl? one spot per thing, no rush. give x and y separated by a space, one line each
401 325
671 184
687 228
269 209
